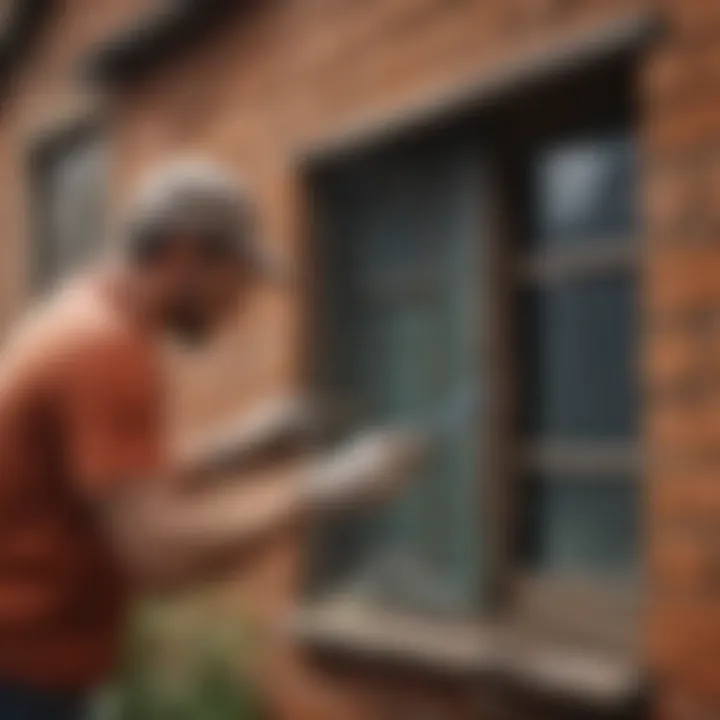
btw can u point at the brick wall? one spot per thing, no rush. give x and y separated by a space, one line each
681 99
286 74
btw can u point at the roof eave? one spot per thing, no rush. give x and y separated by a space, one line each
150 41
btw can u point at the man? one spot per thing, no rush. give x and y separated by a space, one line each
92 509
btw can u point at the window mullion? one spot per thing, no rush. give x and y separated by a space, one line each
582 459
578 263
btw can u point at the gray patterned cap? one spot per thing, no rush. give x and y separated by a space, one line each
202 197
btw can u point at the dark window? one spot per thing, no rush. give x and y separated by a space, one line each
488 290
580 187
70 175
578 351
581 523
401 259
578 332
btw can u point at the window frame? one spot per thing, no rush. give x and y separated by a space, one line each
531 607
536 604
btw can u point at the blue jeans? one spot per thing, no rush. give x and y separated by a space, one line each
21 702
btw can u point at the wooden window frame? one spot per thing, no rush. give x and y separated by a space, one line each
618 39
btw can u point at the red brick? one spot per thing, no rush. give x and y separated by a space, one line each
686 123
681 277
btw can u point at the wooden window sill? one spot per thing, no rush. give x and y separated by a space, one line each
605 680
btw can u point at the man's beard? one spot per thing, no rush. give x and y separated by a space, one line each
189 327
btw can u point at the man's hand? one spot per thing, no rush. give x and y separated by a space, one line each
370 469
168 538
266 431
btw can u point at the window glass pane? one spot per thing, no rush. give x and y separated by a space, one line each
71 185
584 190
578 352
78 195
581 525
400 261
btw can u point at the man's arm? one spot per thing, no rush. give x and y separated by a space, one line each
164 533
168 539
274 429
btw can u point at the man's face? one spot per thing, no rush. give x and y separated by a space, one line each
199 284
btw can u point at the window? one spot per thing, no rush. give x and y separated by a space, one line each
576 334
401 262
481 280
69 174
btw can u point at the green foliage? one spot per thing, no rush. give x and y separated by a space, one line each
182 666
